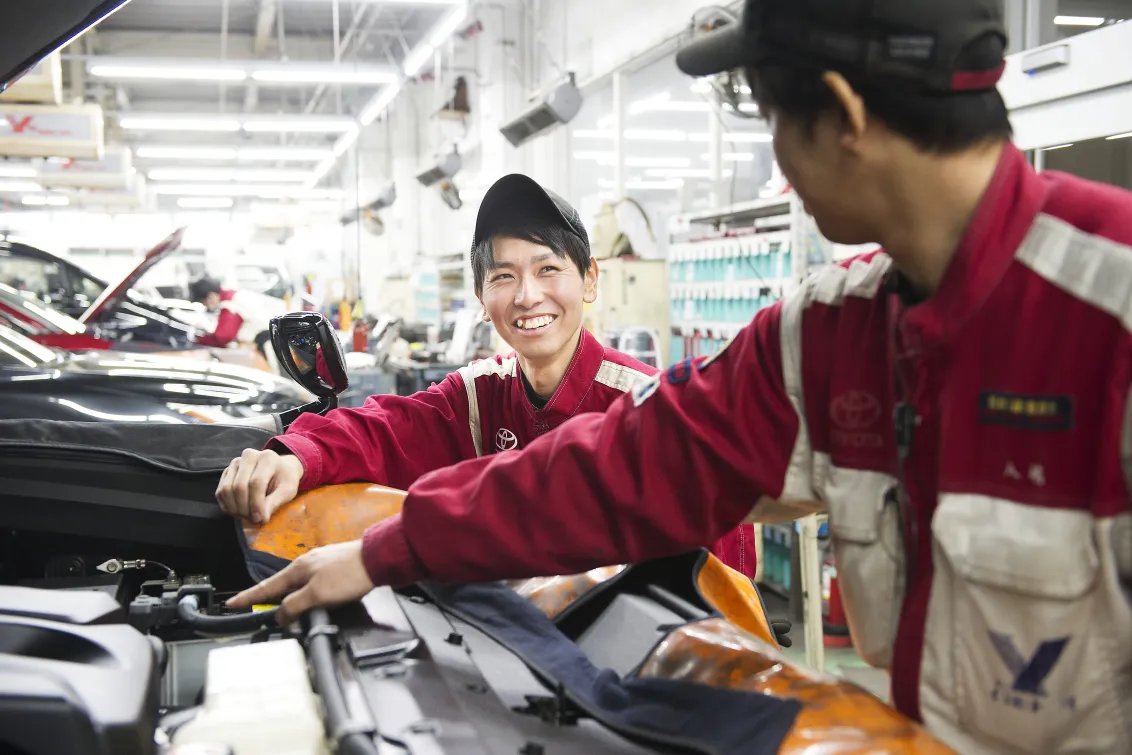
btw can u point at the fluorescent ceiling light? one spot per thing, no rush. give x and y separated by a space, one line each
1059 146
417 58
244 154
344 143
674 183
244 190
186 153
226 174
320 172
748 138
322 76
40 200
172 73
1078 21
655 135
744 107
17 171
283 154
448 25
608 158
158 123
665 106
657 162
205 203
733 157
1120 136
378 104
22 187
304 125
684 173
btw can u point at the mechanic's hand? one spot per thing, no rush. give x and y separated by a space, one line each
321 578
257 483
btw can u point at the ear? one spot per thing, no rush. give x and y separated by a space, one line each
852 105
589 283
486 316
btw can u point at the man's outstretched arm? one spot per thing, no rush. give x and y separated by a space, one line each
671 467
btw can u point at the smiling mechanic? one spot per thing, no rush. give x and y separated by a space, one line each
959 402
533 275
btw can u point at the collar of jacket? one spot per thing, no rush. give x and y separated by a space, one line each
1008 209
576 383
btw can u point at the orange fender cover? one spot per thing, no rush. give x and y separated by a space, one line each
738 652
837 718
323 516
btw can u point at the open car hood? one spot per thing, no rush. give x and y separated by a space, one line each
106 305
33 30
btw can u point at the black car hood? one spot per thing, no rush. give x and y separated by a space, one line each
109 385
174 377
33 30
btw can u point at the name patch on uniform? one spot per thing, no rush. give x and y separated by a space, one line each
1048 413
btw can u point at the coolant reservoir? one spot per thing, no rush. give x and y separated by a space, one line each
258 701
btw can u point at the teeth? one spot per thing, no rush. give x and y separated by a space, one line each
536 322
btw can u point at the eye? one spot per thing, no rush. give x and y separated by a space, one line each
500 277
549 267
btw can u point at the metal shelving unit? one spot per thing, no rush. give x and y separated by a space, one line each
724 266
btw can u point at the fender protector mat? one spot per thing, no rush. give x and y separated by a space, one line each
696 717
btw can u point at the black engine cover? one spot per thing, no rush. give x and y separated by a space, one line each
69 681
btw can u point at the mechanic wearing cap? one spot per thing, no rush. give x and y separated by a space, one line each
533 273
958 402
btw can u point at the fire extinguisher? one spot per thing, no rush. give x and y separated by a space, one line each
835 627
361 335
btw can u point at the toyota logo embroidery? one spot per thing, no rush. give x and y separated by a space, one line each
505 440
855 410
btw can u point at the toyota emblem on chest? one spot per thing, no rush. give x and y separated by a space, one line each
505 440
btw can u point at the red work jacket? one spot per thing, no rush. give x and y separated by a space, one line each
480 410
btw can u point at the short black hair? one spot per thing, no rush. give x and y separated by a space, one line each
537 231
202 287
943 123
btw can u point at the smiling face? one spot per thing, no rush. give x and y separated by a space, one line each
535 297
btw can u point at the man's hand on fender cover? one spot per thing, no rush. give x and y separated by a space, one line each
257 483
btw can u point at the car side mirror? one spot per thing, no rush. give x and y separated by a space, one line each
308 349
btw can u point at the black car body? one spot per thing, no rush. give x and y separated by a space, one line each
37 382
49 278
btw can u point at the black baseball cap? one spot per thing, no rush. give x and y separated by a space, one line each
517 194
919 42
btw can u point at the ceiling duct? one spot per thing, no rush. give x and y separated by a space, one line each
446 167
556 108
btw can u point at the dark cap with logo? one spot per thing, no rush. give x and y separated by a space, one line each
917 42
517 195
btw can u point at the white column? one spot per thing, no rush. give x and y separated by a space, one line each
715 159
619 138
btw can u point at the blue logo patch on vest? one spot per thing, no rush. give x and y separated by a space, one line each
1027 691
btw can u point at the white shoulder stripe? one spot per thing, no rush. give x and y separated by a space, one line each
861 279
618 376
1093 269
805 475
484 367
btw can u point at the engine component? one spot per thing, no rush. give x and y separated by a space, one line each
58 660
258 700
